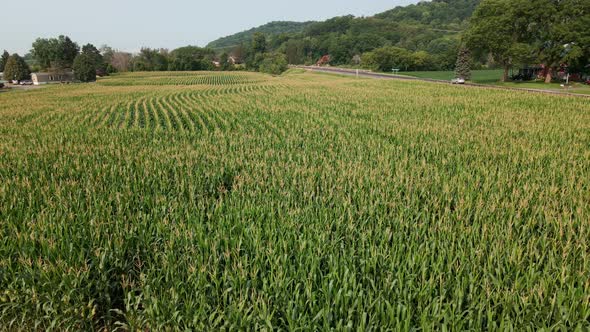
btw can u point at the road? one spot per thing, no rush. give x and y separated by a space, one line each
370 74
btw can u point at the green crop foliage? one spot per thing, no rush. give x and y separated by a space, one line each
306 202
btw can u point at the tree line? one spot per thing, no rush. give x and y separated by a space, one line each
444 35
61 54
55 55
424 36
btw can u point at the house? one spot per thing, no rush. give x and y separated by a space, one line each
49 78
325 60
540 72
529 73
234 60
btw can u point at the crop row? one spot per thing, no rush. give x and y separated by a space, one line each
303 202
198 79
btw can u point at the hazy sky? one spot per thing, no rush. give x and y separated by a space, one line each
131 24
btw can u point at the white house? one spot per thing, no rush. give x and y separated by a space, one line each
48 78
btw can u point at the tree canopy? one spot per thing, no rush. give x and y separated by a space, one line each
390 57
16 69
434 27
191 58
85 65
95 54
57 52
4 60
272 28
551 32
273 63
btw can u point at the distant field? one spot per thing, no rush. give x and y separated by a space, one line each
240 201
478 76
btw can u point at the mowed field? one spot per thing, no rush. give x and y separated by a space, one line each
477 76
240 201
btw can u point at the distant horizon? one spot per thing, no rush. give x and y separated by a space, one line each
134 24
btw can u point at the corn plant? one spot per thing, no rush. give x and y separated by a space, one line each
239 201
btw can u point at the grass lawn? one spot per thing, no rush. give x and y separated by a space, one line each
574 88
493 77
479 76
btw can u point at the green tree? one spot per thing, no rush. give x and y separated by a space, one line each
444 50
55 52
563 37
273 63
4 60
68 50
85 67
16 69
44 52
91 50
150 59
504 29
259 43
256 53
463 66
191 58
295 51
387 58
422 60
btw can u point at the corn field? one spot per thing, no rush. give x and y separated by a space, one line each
306 202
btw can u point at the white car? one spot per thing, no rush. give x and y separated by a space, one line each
458 80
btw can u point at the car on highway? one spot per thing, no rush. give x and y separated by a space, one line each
458 80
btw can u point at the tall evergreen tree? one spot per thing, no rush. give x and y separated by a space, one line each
99 62
85 67
4 60
16 69
463 66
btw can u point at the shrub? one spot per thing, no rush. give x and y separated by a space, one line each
273 63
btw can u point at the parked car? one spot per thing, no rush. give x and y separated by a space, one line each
1 85
26 82
458 80
587 81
